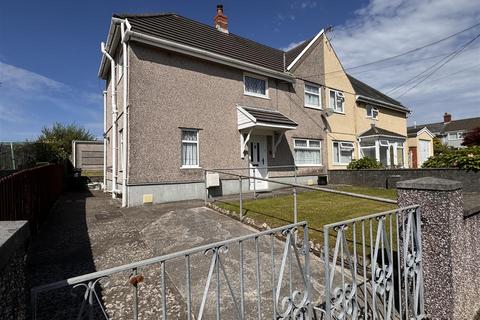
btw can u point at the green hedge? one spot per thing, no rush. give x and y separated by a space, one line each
466 159
364 163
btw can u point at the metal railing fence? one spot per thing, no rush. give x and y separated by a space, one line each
373 267
294 186
29 194
274 273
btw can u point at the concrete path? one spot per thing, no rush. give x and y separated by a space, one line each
88 232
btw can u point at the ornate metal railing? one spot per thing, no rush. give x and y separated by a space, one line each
274 274
373 267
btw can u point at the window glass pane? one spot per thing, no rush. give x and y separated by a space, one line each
314 144
189 154
339 103
336 155
300 143
312 99
345 156
188 135
368 153
400 156
254 85
332 99
311 89
307 157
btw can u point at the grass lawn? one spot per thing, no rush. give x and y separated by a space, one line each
316 207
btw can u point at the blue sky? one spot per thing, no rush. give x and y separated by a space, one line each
49 52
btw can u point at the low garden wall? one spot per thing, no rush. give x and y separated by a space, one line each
379 178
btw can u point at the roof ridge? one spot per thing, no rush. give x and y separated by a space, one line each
143 15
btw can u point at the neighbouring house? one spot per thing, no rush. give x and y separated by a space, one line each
451 132
420 145
182 96
87 155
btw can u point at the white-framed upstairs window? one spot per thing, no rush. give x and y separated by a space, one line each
312 96
337 101
190 150
342 152
308 152
372 112
254 85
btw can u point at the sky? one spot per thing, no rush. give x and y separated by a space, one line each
49 51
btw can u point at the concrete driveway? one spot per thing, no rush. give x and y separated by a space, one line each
88 232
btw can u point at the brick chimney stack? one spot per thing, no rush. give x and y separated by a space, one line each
447 117
220 20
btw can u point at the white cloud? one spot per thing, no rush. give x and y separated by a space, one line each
29 101
387 27
303 4
292 45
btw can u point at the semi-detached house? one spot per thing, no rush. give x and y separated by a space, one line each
182 96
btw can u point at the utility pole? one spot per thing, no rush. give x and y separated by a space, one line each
13 155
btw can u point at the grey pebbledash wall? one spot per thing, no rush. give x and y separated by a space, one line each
450 247
378 178
14 236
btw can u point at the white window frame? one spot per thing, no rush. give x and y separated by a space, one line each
197 142
337 95
373 112
346 146
250 75
457 135
319 148
319 94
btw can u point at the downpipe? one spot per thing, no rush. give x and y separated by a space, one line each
125 117
104 187
114 120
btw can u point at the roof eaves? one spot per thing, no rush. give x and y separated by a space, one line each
383 103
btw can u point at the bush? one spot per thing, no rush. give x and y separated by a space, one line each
466 159
364 163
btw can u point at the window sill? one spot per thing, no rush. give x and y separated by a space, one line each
190 167
341 164
309 165
313 107
256 95
339 112
371 118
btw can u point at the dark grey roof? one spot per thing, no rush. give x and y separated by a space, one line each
270 116
412 131
454 125
176 28
373 131
365 90
291 54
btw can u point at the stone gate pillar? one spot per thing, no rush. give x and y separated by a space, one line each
450 247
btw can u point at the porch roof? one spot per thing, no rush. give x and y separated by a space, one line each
376 131
249 117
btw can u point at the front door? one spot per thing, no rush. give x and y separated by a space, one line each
258 162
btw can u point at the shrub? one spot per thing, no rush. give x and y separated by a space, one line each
466 159
364 163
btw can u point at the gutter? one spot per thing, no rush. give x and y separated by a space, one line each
114 119
383 103
206 55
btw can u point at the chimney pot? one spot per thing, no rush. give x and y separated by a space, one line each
220 20
447 117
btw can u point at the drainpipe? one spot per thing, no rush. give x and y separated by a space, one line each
114 120
104 140
125 117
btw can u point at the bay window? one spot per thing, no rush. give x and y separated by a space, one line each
190 153
337 101
312 96
342 152
308 152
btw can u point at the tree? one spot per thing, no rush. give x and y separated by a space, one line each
439 147
472 138
55 144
